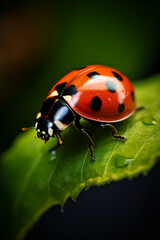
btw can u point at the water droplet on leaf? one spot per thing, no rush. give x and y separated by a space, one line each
149 120
52 156
121 161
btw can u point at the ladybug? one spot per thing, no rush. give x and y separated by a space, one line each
99 94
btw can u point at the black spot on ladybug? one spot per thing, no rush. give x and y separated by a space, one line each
80 68
132 95
48 103
92 74
111 86
60 87
71 90
96 104
121 107
119 77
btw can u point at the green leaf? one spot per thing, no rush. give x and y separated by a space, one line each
33 179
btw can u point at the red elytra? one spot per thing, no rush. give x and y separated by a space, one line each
115 91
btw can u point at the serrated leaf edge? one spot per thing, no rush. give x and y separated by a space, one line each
97 181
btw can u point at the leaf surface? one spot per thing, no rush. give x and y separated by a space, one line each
33 179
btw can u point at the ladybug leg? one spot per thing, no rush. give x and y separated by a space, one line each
113 131
58 143
87 137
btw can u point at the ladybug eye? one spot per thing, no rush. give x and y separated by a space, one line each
38 134
46 137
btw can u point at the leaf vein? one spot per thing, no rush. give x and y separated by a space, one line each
82 168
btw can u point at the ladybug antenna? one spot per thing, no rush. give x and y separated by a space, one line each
25 129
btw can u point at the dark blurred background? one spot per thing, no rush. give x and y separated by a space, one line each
41 41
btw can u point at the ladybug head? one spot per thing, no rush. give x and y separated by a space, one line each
45 129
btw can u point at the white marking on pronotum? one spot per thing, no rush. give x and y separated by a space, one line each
38 130
60 125
54 93
36 125
68 98
38 115
43 132
50 131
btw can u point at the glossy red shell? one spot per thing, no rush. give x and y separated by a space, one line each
96 86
